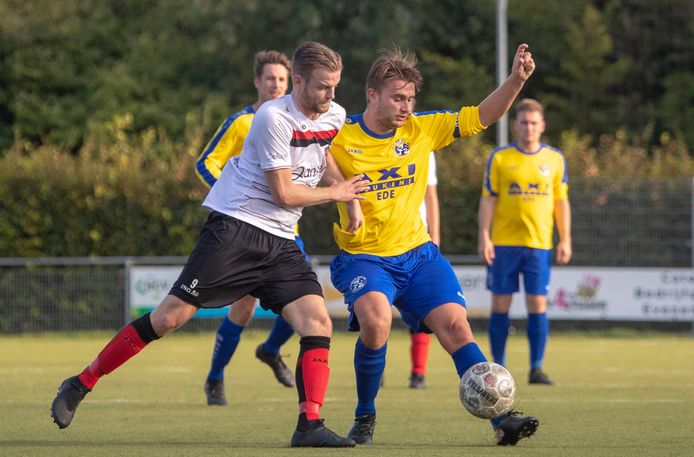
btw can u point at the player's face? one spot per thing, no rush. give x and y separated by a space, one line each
393 104
529 127
273 82
313 95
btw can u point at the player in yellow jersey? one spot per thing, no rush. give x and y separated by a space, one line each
525 190
389 259
271 77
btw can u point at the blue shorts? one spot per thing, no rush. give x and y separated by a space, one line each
300 243
415 282
510 261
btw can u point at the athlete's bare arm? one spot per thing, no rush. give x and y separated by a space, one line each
498 102
288 194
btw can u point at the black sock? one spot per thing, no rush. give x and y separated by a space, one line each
304 424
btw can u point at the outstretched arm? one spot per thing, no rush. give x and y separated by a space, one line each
498 102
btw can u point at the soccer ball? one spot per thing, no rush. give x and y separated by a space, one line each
487 390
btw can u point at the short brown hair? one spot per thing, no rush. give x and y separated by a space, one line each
311 55
263 58
529 105
392 64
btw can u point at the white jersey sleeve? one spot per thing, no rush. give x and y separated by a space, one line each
272 146
432 180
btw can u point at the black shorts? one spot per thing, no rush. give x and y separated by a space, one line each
232 259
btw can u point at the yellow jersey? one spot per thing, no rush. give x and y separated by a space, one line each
526 185
226 143
397 166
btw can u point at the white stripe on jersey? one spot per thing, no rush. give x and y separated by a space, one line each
280 137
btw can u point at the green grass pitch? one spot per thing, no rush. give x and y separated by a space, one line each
615 396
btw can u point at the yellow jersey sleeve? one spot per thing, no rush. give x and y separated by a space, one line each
226 143
525 185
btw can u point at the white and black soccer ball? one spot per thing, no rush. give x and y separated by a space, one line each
487 390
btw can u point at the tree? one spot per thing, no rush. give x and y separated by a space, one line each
585 92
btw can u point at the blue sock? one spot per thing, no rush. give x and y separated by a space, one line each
280 334
368 366
538 331
467 356
498 419
499 323
228 336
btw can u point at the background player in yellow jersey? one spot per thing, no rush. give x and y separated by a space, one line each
271 77
389 259
525 191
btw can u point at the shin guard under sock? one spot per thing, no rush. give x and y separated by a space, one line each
368 367
312 374
129 341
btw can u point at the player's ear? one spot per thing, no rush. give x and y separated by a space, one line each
297 81
371 95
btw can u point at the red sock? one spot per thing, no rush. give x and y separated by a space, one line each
122 347
419 351
314 374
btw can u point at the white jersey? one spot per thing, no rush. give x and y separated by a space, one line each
280 137
431 181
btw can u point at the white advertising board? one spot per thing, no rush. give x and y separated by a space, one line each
648 294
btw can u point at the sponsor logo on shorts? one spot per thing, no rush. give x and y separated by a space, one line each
190 290
357 284
460 294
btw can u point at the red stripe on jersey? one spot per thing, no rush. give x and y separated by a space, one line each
310 134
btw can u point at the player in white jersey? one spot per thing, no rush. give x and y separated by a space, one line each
247 244
243 190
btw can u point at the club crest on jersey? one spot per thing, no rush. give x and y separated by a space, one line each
544 169
357 284
401 148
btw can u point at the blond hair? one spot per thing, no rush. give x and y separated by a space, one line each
312 55
263 58
391 65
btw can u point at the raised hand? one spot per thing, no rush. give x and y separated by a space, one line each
523 63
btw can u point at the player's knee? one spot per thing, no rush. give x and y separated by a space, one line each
325 324
318 324
170 315
374 332
164 323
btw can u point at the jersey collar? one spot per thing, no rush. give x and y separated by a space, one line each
381 136
515 145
